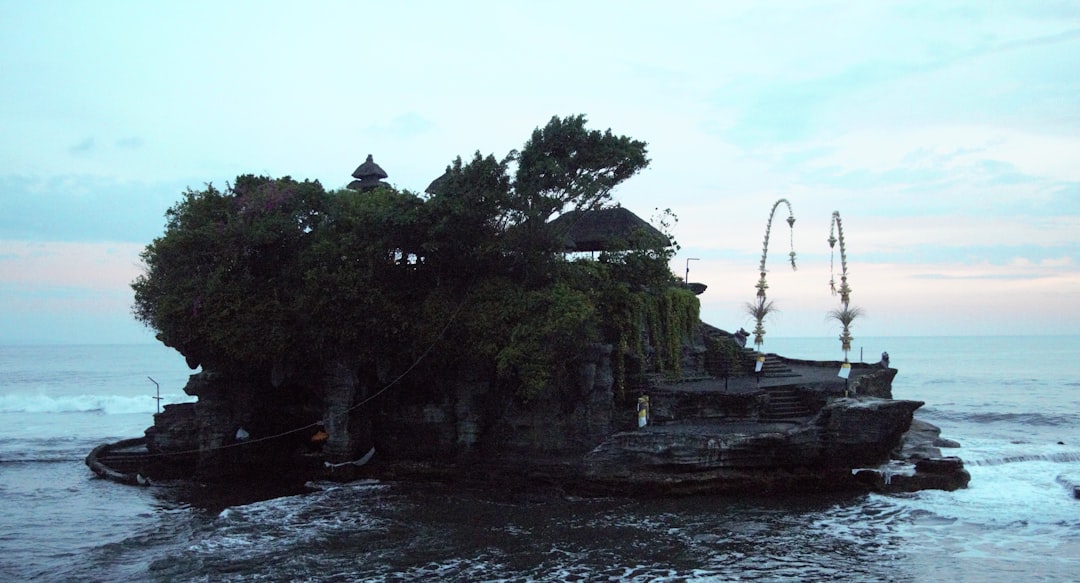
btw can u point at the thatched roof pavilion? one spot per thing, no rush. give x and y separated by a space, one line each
368 176
609 229
437 185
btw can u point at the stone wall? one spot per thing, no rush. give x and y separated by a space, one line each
239 426
175 430
471 418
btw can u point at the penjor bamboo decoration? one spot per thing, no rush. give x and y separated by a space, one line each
762 307
846 313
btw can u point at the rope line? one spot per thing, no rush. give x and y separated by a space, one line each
315 424
594 205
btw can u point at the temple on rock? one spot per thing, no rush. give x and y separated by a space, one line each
666 408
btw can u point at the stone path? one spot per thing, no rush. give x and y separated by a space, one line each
798 374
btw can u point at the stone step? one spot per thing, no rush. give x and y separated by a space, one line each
771 368
783 397
784 403
784 415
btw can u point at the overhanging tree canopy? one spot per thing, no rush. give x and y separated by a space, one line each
280 273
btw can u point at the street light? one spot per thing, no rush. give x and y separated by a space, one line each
688 260
158 398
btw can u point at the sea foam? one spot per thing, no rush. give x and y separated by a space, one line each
104 404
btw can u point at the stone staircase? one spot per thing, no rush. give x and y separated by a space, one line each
784 404
772 368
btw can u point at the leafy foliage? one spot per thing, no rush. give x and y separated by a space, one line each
672 315
722 358
221 284
468 218
565 164
846 316
271 274
759 310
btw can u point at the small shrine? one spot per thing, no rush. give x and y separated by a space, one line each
368 176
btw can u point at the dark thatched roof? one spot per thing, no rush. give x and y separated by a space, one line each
369 169
437 185
609 229
367 176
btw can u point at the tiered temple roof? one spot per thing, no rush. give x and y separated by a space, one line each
368 176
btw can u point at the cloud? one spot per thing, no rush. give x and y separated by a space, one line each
979 276
945 133
130 143
98 267
405 126
32 314
68 293
940 298
84 147
84 208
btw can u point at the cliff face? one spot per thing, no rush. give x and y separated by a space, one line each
791 429
475 420
727 457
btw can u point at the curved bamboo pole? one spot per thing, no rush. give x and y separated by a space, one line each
835 225
845 314
763 307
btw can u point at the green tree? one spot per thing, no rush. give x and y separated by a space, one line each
468 216
498 222
279 274
361 273
564 164
222 284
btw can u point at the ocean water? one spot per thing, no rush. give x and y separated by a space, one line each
1012 403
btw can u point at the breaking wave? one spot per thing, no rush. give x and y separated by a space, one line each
1026 419
1061 457
104 404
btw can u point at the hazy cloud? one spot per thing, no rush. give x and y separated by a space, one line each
130 143
82 147
978 276
83 208
407 125
945 132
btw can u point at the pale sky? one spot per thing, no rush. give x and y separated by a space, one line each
947 135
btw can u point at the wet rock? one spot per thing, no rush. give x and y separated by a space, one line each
1071 483
709 435
750 457
940 465
174 430
946 473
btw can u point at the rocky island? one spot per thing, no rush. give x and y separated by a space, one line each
791 430
504 327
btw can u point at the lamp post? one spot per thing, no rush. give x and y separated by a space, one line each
158 398
688 260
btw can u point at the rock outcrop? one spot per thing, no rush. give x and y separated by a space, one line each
745 456
917 464
796 428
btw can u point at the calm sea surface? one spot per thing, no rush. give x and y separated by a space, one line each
1013 404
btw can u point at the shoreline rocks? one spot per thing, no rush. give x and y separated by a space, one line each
795 428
